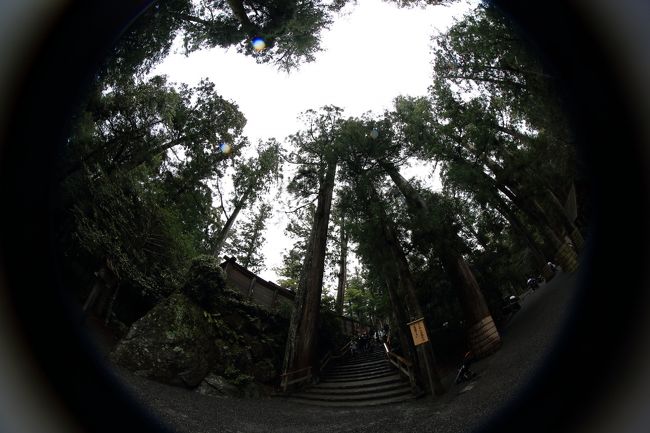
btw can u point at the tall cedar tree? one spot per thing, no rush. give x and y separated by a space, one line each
318 154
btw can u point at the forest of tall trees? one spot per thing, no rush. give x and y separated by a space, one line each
156 173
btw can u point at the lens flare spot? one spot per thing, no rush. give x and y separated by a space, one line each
374 133
258 44
225 148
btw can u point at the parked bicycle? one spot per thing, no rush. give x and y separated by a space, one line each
464 373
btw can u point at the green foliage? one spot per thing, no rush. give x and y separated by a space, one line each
205 281
316 144
256 174
149 123
359 301
417 3
147 41
290 28
246 245
252 178
330 335
285 309
298 229
134 183
291 269
485 51
236 377
242 380
124 224
437 297
328 303
516 121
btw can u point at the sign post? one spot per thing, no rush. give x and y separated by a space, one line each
418 331
420 337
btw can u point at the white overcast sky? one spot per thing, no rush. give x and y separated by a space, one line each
371 55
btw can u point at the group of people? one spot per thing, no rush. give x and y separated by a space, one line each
365 341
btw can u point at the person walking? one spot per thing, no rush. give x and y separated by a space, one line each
354 347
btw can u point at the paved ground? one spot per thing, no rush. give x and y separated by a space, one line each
526 340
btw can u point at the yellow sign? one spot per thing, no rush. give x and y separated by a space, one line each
418 332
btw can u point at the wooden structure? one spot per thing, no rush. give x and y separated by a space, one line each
270 295
255 288
405 368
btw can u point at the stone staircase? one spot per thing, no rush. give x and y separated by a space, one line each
366 379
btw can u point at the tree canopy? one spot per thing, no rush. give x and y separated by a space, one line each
155 173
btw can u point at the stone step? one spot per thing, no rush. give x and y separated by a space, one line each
358 364
357 370
369 354
395 377
373 353
366 379
356 375
368 374
351 404
353 377
354 372
357 390
383 365
405 390
358 361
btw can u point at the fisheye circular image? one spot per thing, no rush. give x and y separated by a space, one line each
374 214
317 216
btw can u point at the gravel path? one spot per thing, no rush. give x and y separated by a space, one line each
502 376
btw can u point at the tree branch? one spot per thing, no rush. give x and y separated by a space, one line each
223 208
285 159
302 206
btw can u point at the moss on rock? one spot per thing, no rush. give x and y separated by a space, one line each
170 344
206 330
205 281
